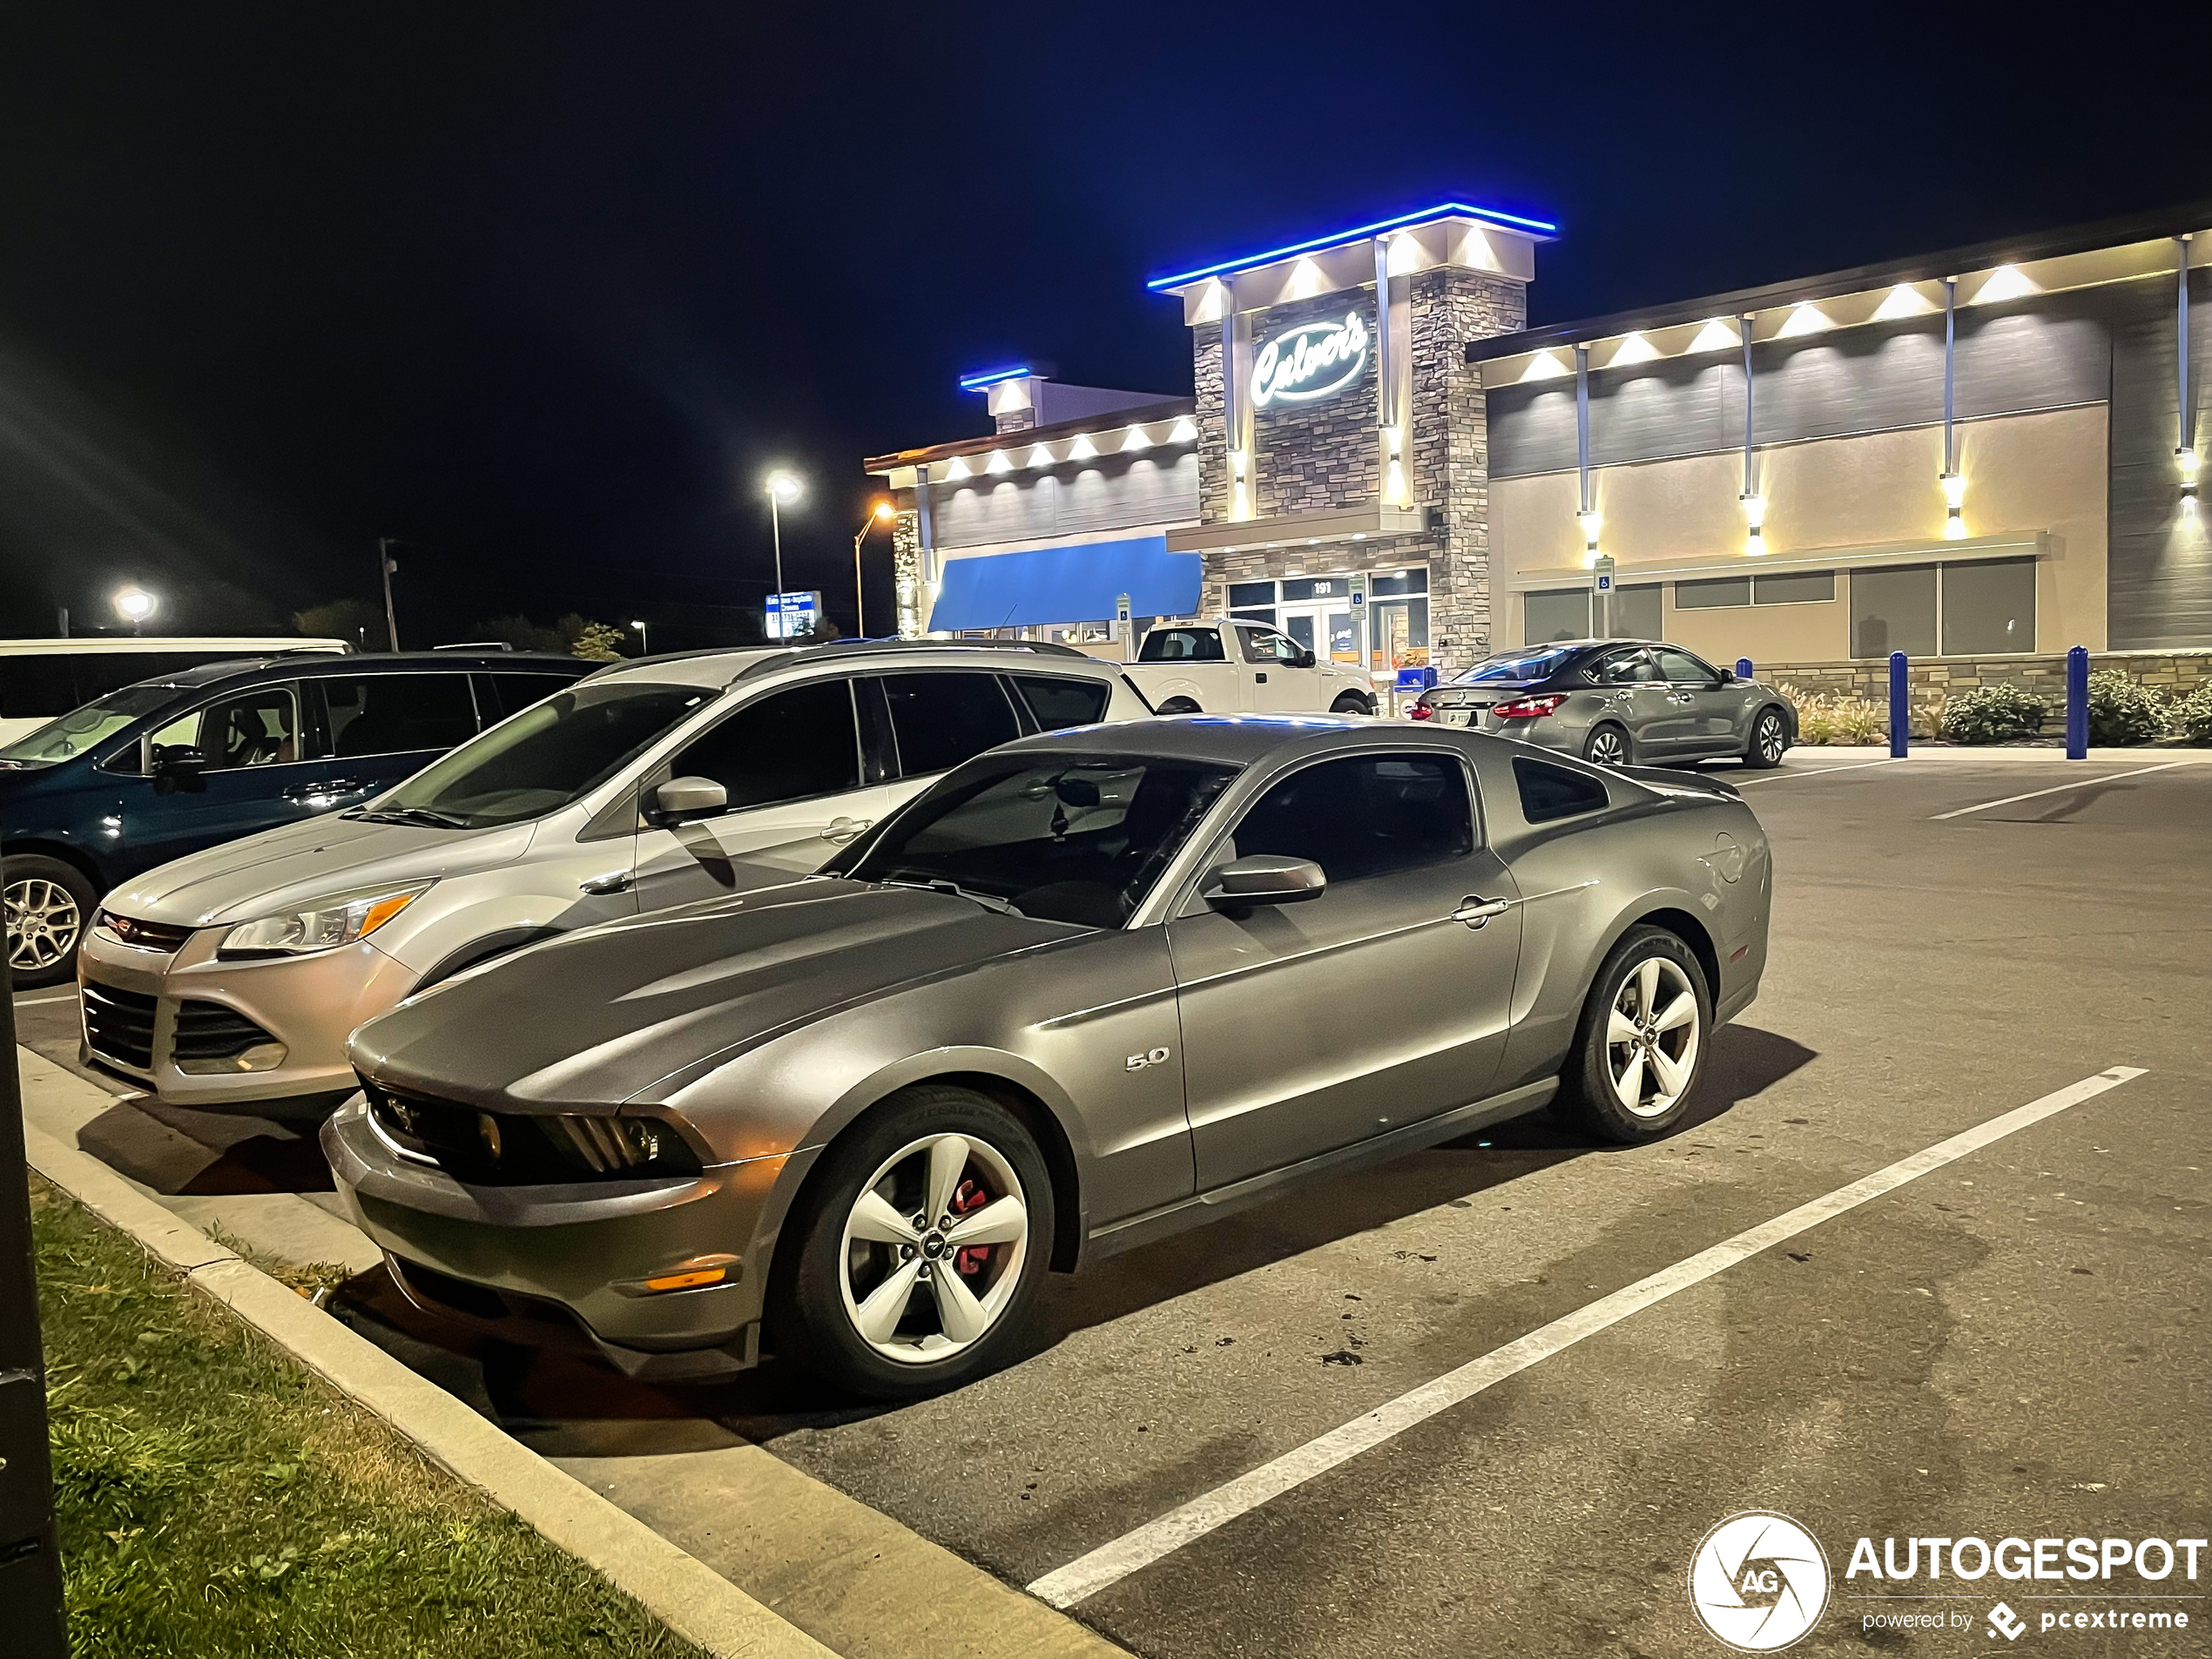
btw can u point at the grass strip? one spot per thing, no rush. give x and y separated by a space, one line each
217 1499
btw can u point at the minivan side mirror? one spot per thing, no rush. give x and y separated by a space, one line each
178 765
680 801
1264 879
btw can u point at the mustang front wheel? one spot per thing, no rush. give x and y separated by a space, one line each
922 1246
1642 1042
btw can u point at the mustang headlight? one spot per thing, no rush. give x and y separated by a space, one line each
339 919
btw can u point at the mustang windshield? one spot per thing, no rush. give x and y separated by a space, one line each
1074 838
1515 668
70 735
543 758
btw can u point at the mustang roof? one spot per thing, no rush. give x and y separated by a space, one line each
1232 740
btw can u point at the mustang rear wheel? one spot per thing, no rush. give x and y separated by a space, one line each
1642 1047
49 906
922 1246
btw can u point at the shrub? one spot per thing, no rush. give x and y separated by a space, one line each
2120 711
1825 719
2189 718
596 642
1992 714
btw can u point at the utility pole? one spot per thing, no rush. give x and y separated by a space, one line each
30 1560
386 564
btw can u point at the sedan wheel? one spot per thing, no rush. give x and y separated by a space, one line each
48 904
1770 740
1608 746
934 1247
1642 1047
914 1261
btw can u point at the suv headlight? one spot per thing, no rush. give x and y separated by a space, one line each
339 919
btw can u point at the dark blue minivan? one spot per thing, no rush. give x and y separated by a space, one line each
173 765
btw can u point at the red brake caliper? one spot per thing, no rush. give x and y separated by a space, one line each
969 1262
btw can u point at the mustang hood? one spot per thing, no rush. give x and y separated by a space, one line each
296 864
596 1016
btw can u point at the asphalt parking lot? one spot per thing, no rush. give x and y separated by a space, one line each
2010 1342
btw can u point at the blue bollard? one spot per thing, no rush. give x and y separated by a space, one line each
1901 708
1743 668
2077 704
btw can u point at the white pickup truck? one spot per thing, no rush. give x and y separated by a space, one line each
1224 666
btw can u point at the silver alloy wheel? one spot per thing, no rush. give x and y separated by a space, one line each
1607 748
43 924
945 1215
1651 1035
1770 737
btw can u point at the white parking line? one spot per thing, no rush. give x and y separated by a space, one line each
35 1001
1109 1563
1821 772
2059 789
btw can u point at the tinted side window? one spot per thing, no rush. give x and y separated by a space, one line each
1683 669
1364 815
1550 791
515 692
1181 645
385 714
790 746
1057 703
1625 668
942 719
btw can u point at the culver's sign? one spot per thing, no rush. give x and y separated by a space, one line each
1310 362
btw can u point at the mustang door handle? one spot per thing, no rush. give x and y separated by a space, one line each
844 829
616 881
1474 910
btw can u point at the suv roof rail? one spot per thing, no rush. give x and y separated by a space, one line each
785 657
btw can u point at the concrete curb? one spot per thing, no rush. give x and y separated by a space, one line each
682 1592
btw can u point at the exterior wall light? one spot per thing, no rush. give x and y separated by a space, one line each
1755 519
1590 520
1393 441
2186 459
1240 487
1954 496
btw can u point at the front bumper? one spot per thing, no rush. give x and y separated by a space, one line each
163 1008
544 1265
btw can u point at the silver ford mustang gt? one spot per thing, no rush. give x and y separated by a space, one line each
1092 988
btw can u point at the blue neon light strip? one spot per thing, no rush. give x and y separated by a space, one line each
1445 211
983 377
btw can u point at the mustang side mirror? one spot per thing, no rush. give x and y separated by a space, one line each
178 765
1264 879
681 799
1076 791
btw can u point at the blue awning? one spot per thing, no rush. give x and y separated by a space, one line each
1054 586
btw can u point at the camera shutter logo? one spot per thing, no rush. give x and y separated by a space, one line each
1759 1582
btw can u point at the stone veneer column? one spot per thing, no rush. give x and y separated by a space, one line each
1210 416
1449 452
906 572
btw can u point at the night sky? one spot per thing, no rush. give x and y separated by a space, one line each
544 289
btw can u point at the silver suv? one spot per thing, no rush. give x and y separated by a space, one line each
231 978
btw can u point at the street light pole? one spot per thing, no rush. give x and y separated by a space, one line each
877 513
775 529
644 645
385 565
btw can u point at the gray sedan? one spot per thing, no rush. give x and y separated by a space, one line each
1618 702
1092 988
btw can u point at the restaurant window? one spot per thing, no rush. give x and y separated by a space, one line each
1716 593
1634 612
1389 582
1554 614
1304 590
1252 593
1793 587
1893 608
1399 638
1988 607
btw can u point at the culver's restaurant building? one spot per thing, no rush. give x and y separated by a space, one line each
1980 457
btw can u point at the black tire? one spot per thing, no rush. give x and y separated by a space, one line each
61 901
1352 703
808 1311
1770 738
1595 747
1588 1095
1179 705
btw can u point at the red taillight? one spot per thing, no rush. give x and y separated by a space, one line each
1529 708
1420 712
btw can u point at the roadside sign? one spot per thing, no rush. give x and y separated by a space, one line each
1601 574
791 615
1359 589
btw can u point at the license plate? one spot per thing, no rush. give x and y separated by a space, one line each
1458 717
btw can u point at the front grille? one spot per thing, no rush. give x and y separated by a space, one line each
119 1025
210 1031
144 935
523 1149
